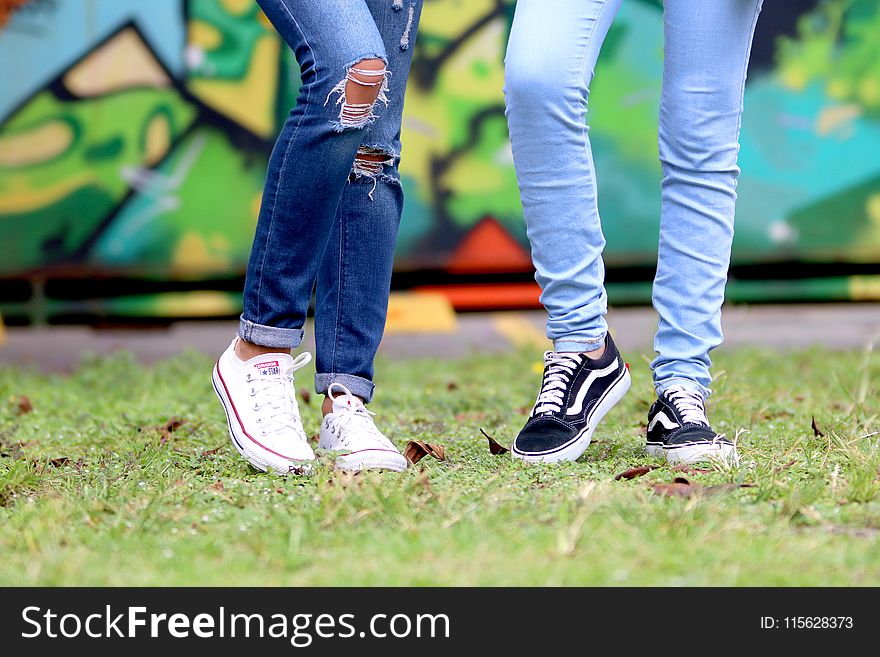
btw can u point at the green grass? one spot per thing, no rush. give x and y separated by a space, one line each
129 508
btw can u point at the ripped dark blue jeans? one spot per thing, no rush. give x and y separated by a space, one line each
332 202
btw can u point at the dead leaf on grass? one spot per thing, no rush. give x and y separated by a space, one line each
165 430
689 470
632 473
816 430
452 385
14 451
305 395
681 487
416 450
23 405
494 446
211 452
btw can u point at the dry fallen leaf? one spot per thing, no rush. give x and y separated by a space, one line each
416 450
305 395
23 405
452 385
632 473
57 463
816 430
174 423
494 447
211 452
680 487
689 470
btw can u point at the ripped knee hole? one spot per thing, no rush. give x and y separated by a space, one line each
365 83
371 162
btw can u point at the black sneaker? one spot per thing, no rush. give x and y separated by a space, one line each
679 430
576 393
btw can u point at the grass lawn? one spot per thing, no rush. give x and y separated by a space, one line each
93 491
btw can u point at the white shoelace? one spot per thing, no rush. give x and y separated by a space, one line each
689 404
278 392
558 371
354 422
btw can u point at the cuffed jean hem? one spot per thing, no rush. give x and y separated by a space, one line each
689 384
574 343
269 336
357 385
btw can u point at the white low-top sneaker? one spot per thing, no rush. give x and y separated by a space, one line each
259 398
349 430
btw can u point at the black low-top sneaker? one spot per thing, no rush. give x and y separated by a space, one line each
679 430
576 393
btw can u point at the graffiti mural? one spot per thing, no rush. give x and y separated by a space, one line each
134 139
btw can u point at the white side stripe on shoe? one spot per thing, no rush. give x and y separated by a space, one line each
661 418
578 404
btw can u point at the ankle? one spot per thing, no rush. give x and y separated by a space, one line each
246 350
327 406
593 355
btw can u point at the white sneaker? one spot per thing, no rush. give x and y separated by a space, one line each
350 430
259 398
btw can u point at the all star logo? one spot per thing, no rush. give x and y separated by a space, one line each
269 368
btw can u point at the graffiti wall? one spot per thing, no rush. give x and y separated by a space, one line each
134 138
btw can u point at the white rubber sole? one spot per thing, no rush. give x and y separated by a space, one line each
574 450
258 457
687 454
372 459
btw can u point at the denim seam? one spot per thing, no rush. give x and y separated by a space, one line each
340 286
287 150
605 7
745 71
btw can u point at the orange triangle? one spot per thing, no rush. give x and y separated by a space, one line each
489 248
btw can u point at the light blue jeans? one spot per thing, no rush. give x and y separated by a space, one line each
549 66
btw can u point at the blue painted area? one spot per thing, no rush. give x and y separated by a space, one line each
798 148
57 33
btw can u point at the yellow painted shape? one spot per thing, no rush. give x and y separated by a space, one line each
192 254
250 101
458 77
255 207
158 139
265 22
864 288
420 312
122 63
795 77
869 91
874 209
838 89
452 17
519 331
204 35
832 118
42 143
237 7
195 304
19 197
